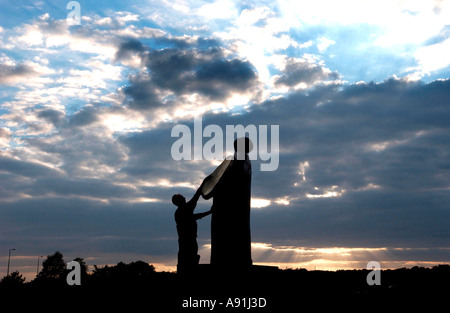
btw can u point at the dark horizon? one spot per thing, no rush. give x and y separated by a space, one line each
138 283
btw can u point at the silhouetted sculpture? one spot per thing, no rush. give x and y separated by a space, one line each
230 187
187 230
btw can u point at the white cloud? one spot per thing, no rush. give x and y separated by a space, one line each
95 45
38 37
324 43
31 35
337 12
103 21
307 44
220 9
5 137
138 32
123 121
256 34
400 21
95 76
28 73
120 18
434 57
124 17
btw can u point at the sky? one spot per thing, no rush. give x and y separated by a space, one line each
360 91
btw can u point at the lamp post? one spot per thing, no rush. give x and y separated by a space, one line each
9 257
37 269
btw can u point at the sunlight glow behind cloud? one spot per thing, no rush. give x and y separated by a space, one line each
258 203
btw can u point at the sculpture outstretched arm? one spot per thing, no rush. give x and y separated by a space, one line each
193 202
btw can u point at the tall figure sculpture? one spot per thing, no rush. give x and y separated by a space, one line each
230 187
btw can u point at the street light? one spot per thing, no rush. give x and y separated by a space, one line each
37 270
9 257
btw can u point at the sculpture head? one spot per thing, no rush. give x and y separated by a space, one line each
178 200
243 143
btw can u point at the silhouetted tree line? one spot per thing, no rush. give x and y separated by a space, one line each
139 274
54 272
15 279
137 285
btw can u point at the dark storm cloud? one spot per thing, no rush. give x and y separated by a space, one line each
303 71
150 158
376 218
72 224
194 67
383 148
81 151
10 73
24 168
204 71
142 92
129 47
83 117
93 187
44 210
388 129
391 134
217 78
53 116
332 128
